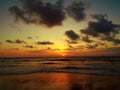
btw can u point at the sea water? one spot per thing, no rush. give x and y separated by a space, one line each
87 65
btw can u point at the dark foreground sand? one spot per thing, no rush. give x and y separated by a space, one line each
59 81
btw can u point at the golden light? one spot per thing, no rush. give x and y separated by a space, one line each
63 55
61 52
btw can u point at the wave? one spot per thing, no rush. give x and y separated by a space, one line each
86 65
78 70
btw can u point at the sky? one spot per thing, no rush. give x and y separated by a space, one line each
40 28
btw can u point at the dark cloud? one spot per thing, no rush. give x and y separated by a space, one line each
0 43
9 41
91 46
70 46
116 41
103 25
113 51
17 41
72 35
29 46
14 49
39 12
29 37
100 43
38 51
102 28
89 31
86 39
45 43
76 10
46 50
71 42
111 39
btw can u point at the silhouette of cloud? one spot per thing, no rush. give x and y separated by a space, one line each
14 49
46 50
29 37
72 35
70 46
49 14
89 31
45 43
103 25
17 41
91 46
9 41
71 42
86 39
29 46
101 43
39 12
103 28
111 39
76 10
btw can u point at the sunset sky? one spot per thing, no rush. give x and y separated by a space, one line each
36 28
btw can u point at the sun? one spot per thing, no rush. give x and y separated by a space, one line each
61 52
63 55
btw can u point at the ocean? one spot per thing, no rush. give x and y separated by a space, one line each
106 65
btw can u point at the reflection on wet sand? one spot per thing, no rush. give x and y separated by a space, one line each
59 81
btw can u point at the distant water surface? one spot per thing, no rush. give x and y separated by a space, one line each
86 65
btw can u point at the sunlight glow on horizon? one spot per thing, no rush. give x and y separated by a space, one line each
71 35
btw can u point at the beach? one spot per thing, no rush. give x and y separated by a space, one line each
59 81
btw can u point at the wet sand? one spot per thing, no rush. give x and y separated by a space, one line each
59 81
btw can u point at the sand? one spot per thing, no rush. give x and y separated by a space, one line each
59 81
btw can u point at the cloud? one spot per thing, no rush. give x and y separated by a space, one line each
39 12
38 51
0 43
71 42
103 25
70 46
17 41
45 43
72 35
76 10
89 31
113 51
111 39
9 41
46 50
86 39
102 28
91 46
29 37
101 43
14 49
29 46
